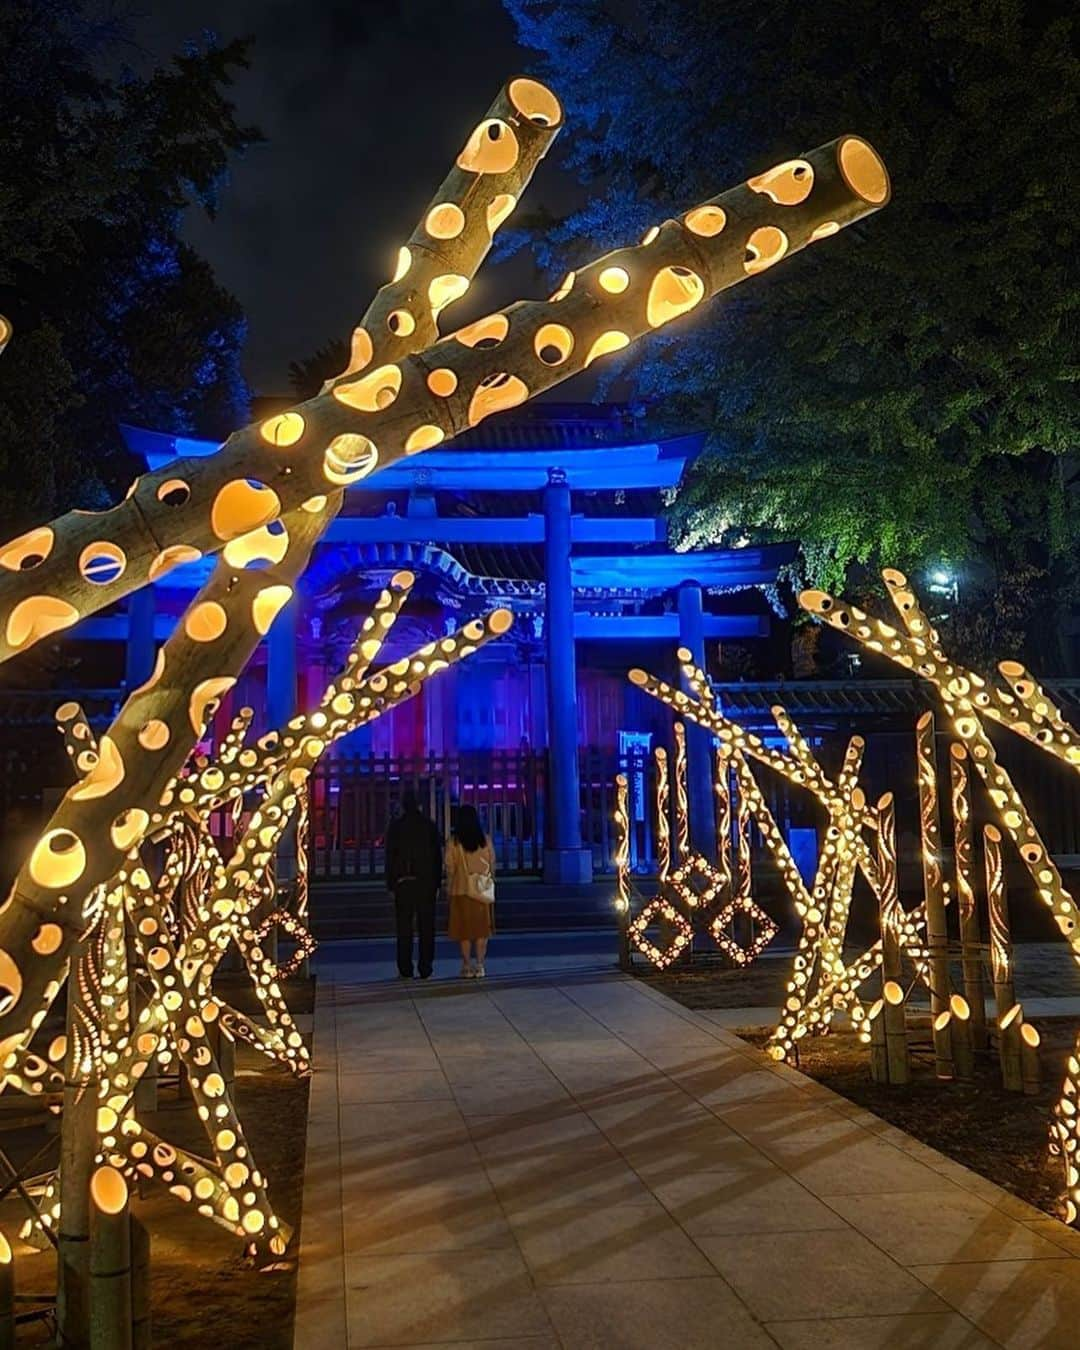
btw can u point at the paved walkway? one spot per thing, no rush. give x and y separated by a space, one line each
576 1161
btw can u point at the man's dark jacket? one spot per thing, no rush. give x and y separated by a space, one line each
413 849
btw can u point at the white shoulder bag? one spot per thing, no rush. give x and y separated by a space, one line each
481 884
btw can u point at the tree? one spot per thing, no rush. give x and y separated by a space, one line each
909 396
115 317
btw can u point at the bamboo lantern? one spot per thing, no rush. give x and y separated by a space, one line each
663 817
970 937
110 1262
934 896
892 991
682 801
1009 1014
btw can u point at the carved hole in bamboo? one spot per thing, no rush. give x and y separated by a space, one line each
495 393
766 246
705 221
259 548
173 492
36 617
29 550
445 221
565 287
787 184
553 343
674 291
243 505
492 148
499 208
283 430
58 859
102 563
423 438
348 458
442 382
611 341
372 392
445 290
486 332
614 280
536 102
400 322
863 170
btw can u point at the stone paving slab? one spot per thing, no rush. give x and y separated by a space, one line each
576 1161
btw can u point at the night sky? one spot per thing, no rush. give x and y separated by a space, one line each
364 104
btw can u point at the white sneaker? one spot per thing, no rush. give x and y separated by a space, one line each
467 971
479 972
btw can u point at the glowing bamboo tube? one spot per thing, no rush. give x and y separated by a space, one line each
742 883
937 932
682 802
962 1041
874 1030
723 819
392 410
970 936
663 819
622 866
1008 1023
303 829
110 1262
891 988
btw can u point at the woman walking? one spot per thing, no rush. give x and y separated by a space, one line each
470 864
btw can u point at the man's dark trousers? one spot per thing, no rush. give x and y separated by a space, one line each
413 901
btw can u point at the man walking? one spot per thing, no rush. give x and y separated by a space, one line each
413 874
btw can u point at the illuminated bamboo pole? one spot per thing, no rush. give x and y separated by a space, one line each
110 1262
970 935
1008 1021
682 801
622 866
663 817
155 527
395 410
723 819
303 829
937 931
892 990
873 1031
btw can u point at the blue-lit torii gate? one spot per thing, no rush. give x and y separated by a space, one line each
586 593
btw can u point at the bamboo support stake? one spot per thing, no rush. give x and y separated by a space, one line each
937 930
1009 1015
1030 1059
970 935
141 1316
963 1046
892 990
110 1262
874 1030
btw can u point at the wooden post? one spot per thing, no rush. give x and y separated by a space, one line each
1009 1015
7 1296
970 938
78 1142
963 1045
892 990
879 1058
141 1327
937 931
1030 1059
110 1262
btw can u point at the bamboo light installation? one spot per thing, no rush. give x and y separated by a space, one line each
935 894
892 991
682 800
262 503
1024 709
964 850
1009 1014
663 815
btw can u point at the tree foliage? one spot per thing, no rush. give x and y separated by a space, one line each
906 392
116 318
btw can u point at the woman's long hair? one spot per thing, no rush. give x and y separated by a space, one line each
468 831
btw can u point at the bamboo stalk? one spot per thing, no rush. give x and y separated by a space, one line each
682 802
937 931
1008 1013
663 820
970 936
622 866
892 991
110 1262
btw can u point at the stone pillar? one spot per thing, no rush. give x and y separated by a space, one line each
139 656
699 768
565 860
